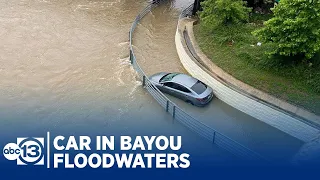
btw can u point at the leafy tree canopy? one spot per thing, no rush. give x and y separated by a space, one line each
223 12
294 29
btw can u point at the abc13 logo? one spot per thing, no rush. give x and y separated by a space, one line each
27 151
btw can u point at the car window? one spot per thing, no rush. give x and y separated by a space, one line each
183 89
168 77
171 85
199 87
177 87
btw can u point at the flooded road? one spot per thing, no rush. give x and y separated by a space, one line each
61 57
64 67
158 54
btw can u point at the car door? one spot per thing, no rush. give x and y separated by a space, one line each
168 88
176 90
184 93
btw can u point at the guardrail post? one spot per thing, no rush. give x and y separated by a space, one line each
143 80
214 137
130 56
174 112
167 107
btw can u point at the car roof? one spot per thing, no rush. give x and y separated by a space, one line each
185 80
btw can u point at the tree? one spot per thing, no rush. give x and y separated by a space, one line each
217 12
294 29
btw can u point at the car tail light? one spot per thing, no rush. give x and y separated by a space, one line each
200 99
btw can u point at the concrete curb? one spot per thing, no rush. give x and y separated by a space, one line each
262 106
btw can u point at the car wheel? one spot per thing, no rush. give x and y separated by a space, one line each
190 102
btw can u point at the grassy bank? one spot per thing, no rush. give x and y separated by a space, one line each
235 50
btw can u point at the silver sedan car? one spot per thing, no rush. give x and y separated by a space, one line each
183 87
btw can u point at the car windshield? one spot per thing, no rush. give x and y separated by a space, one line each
168 77
199 87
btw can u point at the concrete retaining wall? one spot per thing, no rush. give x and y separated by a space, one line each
244 103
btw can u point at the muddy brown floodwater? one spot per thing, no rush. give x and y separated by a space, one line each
64 66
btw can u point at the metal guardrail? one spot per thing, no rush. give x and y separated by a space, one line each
176 112
186 12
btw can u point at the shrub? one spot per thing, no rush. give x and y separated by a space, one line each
294 30
223 12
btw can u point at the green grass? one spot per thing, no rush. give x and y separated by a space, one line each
235 50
